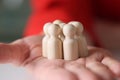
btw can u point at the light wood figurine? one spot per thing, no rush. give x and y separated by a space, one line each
83 52
45 39
70 46
54 45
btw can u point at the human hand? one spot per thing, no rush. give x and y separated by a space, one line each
99 65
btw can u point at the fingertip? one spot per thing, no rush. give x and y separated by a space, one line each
101 70
116 69
113 65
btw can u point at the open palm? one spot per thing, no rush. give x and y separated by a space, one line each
26 52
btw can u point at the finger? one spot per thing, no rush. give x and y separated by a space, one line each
97 54
113 65
80 70
32 41
101 70
15 53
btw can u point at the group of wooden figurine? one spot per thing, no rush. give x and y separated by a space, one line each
64 40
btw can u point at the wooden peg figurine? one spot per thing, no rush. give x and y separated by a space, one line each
54 45
45 39
62 37
83 52
61 24
70 46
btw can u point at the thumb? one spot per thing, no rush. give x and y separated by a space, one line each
15 52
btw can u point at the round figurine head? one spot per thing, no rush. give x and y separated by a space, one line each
69 30
54 30
78 25
45 27
57 22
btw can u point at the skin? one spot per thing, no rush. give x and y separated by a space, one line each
26 52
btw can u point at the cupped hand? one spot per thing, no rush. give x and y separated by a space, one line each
26 52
